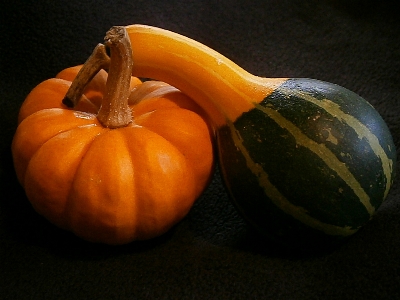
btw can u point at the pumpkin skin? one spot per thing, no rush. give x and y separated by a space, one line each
106 185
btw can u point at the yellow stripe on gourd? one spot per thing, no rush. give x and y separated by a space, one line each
280 200
361 130
327 156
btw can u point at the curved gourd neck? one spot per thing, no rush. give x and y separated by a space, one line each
219 86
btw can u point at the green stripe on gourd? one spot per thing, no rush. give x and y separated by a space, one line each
317 160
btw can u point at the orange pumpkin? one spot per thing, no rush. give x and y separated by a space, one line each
112 183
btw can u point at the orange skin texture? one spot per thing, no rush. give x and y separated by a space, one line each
106 185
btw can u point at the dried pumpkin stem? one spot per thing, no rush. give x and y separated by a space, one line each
114 111
98 60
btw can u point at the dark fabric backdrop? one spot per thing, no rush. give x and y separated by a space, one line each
211 254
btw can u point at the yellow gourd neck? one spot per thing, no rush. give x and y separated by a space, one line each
219 86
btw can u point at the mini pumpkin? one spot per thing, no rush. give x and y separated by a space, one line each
125 163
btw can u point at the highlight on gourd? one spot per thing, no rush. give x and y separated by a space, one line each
116 162
303 160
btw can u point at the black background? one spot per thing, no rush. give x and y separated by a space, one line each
211 254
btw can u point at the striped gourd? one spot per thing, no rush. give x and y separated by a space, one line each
301 158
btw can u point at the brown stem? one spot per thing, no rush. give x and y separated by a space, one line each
114 111
97 60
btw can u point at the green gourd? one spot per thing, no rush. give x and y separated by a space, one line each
303 160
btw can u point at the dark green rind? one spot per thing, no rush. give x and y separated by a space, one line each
252 203
314 122
299 174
